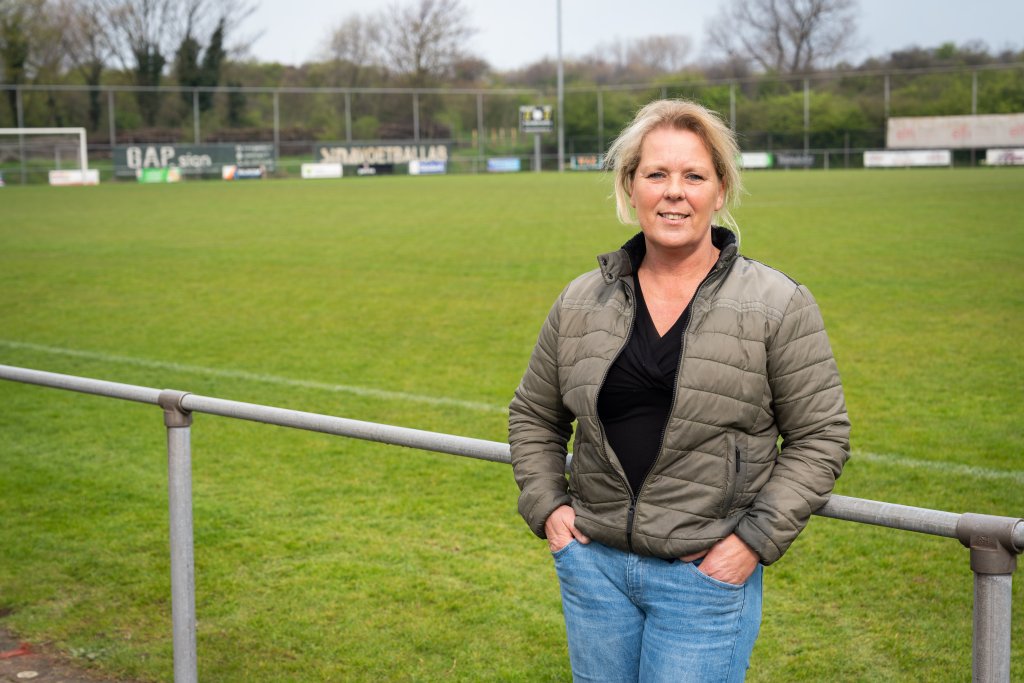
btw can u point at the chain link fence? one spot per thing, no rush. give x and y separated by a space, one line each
822 120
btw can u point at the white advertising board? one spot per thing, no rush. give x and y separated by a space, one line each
425 167
756 160
1004 157
91 176
955 132
324 169
902 159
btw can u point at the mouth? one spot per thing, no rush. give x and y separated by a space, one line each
672 216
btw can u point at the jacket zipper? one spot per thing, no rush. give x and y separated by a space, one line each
731 482
672 408
604 437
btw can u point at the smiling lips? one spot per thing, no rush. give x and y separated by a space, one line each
673 216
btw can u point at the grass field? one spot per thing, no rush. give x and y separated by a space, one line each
320 558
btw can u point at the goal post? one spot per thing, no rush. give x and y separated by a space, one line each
82 176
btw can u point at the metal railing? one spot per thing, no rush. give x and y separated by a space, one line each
994 542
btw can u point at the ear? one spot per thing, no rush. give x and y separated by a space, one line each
720 201
629 190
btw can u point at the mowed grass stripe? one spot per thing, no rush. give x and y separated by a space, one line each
228 373
944 467
940 466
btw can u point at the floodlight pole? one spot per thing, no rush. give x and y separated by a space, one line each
561 96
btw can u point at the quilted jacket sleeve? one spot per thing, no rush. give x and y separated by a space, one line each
539 427
810 412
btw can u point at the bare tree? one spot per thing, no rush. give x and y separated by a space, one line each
425 40
666 53
785 36
142 34
146 33
356 46
636 59
86 46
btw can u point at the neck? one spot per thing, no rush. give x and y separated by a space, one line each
669 263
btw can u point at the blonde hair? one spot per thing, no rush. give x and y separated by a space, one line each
623 155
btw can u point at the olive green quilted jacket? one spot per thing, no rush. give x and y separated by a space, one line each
756 365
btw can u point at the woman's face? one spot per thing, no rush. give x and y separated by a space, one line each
676 190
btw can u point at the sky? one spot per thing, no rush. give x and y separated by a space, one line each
514 33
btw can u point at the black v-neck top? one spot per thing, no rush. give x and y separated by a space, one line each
636 397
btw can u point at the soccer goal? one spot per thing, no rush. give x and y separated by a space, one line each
62 152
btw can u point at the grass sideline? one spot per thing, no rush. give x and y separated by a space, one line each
320 558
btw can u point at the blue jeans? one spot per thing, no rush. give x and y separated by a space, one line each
635 618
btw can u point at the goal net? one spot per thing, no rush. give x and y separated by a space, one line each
55 155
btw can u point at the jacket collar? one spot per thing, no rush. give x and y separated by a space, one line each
627 259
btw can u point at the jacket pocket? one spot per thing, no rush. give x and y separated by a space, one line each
733 464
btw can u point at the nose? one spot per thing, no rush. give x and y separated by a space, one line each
674 188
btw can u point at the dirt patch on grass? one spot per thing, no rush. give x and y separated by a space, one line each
21 662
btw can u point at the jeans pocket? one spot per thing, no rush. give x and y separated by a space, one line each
564 550
710 580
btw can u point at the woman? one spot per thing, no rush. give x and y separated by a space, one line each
682 363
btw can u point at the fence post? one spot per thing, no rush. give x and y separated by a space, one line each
348 116
195 114
277 127
993 561
19 106
179 489
111 122
479 130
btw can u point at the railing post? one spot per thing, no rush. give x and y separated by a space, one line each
179 489
993 561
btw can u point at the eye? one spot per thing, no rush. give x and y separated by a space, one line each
655 175
694 177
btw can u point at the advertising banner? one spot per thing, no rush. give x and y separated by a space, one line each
903 159
586 162
234 172
1004 157
321 170
794 160
955 132
417 167
504 165
159 175
191 160
756 160
90 176
379 155
375 169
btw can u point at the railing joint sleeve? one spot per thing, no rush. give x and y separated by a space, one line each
174 414
990 539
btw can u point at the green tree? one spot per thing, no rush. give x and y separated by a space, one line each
186 66
193 71
211 66
14 47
